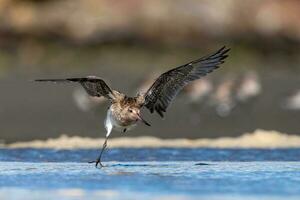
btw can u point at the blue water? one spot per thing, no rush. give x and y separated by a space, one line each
150 174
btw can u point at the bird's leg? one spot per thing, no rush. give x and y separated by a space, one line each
98 161
109 127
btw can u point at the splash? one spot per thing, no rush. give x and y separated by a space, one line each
257 139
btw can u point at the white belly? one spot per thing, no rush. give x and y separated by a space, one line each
112 122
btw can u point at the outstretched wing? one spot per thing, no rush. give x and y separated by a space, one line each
166 87
93 85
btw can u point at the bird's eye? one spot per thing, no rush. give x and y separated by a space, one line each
130 110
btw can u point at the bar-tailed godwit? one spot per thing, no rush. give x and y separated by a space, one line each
124 111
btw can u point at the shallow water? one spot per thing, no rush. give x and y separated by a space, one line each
150 174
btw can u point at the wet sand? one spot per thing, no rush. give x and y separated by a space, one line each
150 180
150 173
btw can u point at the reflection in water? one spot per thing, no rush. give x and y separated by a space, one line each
203 164
134 165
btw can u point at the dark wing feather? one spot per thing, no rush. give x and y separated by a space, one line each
93 85
166 87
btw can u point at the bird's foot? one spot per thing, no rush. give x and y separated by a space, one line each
98 162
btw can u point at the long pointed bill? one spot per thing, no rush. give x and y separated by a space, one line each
144 121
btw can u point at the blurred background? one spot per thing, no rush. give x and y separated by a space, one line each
129 43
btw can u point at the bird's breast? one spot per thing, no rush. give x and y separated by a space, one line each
118 122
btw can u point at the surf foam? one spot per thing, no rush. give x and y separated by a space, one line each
257 139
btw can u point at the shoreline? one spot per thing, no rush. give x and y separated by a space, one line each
257 139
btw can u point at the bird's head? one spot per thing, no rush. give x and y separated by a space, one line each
133 113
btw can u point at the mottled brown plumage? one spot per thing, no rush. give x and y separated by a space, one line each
124 111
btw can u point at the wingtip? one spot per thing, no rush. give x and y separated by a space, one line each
223 52
49 80
161 115
41 80
37 80
224 49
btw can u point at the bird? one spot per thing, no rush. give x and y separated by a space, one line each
198 90
292 102
249 87
222 98
124 111
85 102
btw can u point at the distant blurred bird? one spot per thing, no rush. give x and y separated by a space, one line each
86 102
249 87
198 90
223 97
293 102
148 81
124 112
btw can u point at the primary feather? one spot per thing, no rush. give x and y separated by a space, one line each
166 87
93 85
